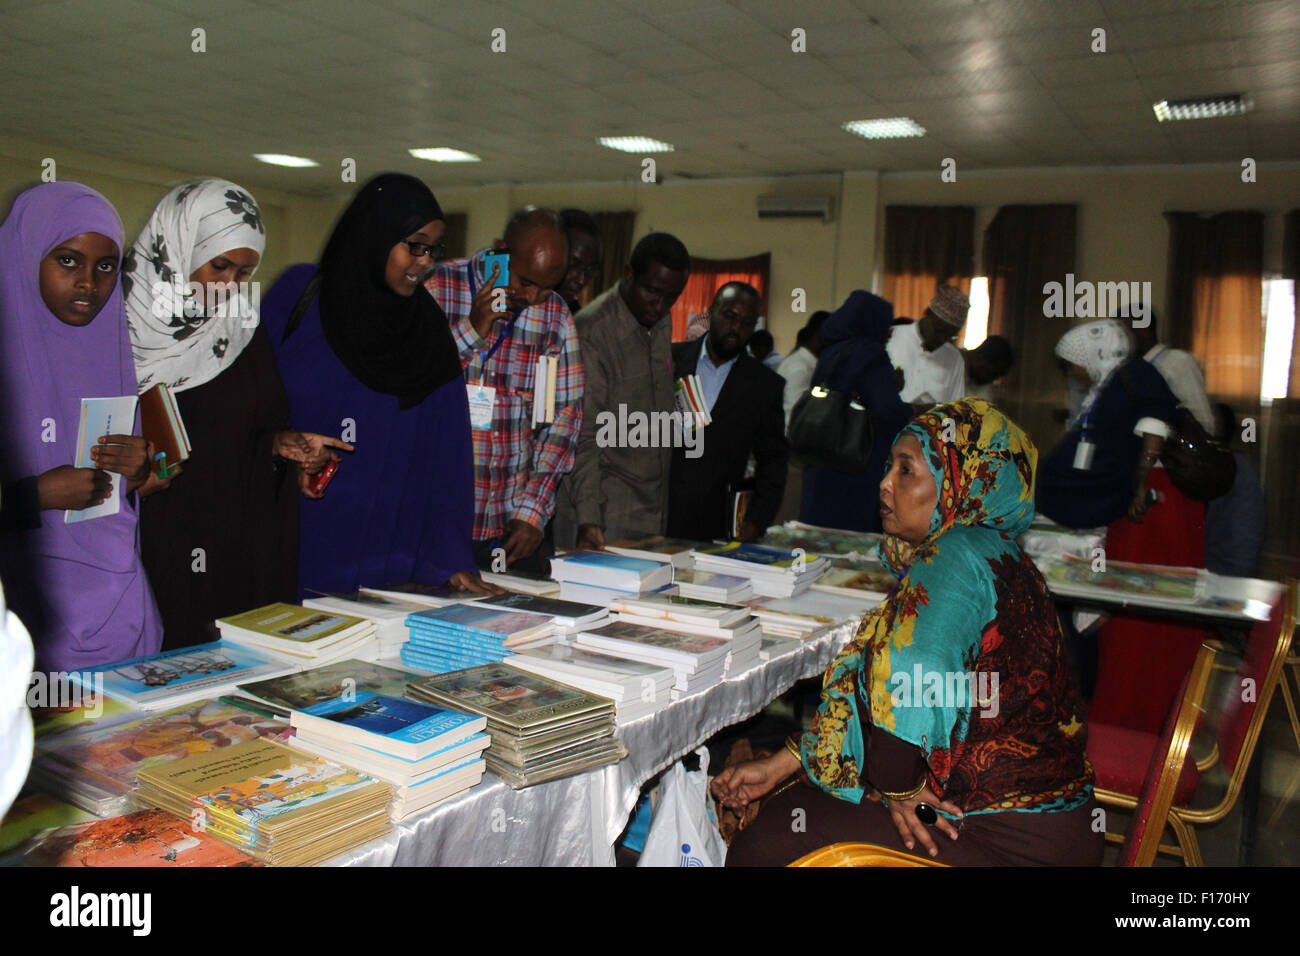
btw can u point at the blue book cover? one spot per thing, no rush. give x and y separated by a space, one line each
178 672
394 718
618 562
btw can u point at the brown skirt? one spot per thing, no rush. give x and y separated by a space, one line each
804 818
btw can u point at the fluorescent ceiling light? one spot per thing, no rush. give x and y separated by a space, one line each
280 159
1202 107
894 128
636 144
444 154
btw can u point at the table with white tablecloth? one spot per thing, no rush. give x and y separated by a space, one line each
576 821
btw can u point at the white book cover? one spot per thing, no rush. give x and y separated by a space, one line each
102 416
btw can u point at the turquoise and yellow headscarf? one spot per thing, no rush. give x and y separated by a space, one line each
967 601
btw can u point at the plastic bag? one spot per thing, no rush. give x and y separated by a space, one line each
681 832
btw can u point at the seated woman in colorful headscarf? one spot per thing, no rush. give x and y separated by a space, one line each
364 350
1106 471
78 586
950 723
224 538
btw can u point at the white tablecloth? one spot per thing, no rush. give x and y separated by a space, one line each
575 821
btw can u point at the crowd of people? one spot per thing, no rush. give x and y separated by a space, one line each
417 382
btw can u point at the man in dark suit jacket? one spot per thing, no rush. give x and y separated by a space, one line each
744 399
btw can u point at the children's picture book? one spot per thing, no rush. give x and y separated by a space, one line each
102 416
144 838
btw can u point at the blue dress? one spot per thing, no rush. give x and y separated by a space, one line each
401 506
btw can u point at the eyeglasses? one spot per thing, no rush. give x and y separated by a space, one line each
421 249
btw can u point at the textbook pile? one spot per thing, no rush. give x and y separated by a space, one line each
301 634
598 577
541 729
386 612
712 586
773 572
693 616
635 688
279 805
428 754
698 662
464 635
566 616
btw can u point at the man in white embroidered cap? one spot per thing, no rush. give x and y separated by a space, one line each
933 371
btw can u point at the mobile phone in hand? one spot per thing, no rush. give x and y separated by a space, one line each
501 259
318 482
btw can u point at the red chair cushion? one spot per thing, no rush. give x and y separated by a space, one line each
1121 758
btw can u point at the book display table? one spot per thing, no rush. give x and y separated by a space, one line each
576 821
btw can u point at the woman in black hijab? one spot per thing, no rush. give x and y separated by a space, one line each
366 352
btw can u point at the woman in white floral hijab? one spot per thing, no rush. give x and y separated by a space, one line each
223 538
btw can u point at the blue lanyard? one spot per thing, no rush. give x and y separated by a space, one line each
486 354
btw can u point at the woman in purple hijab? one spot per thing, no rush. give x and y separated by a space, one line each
79 588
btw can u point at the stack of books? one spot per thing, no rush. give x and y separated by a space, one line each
464 635
301 634
277 804
674 551
541 729
386 612
712 586
181 676
698 662
566 616
416 592
429 754
693 616
776 621
636 688
772 648
161 423
95 767
523 582
306 689
598 577
773 572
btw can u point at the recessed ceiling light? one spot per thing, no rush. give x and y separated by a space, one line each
444 154
1202 107
280 159
894 128
636 144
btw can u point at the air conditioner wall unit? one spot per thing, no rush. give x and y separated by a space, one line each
796 207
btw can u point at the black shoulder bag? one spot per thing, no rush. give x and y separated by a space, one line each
832 429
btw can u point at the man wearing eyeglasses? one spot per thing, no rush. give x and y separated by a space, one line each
933 370
502 329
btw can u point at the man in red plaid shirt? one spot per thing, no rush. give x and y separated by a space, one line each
500 338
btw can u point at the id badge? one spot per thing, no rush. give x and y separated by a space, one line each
482 399
1083 455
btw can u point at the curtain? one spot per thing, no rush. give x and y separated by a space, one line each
1024 248
1216 272
615 250
706 276
926 247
